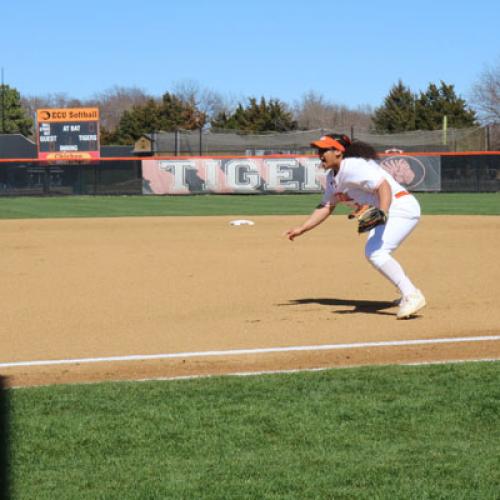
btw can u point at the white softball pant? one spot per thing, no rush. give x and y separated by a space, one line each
382 241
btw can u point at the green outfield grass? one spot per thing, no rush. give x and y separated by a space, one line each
119 206
363 433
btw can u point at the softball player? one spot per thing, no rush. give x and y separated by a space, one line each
356 179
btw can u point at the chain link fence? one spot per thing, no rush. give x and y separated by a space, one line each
231 142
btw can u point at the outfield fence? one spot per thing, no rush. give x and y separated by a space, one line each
240 142
106 177
447 172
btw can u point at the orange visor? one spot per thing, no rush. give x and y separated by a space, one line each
328 143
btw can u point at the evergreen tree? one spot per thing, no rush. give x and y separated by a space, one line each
176 113
259 116
403 111
108 136
171 113
13 118
437 102
398 112
136 122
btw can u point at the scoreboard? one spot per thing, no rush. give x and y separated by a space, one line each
68 133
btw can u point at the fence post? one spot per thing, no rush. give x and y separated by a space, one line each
96 178
176 143
201 141
153 142
46 180
445 130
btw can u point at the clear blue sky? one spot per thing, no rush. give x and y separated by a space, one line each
350 52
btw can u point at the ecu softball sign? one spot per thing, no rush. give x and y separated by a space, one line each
68 133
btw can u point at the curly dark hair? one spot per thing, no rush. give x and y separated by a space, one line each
355 148
360 149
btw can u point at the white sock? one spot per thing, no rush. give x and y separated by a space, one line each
392 270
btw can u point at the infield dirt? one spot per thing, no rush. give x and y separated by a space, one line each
88 288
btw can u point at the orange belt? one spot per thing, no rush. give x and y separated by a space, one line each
401 193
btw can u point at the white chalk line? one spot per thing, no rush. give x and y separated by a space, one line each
308 370
243 352
180 378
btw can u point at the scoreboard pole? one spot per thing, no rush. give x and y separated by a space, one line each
3 104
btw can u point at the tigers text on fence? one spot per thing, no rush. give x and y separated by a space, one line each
287 174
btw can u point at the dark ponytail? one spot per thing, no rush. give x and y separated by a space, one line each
359 149
354 149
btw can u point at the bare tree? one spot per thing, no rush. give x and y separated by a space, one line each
485 95
207 101
113 102
314 111
58 100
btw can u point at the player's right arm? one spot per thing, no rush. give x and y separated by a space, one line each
315 219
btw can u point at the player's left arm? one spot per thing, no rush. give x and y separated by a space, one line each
384 194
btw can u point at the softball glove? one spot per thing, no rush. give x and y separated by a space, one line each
370 218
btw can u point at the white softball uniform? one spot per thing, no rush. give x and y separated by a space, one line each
356 184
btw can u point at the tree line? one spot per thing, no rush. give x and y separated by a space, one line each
128 112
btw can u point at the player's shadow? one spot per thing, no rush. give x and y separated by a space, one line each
355 306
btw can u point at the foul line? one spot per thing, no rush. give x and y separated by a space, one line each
242 352
305 370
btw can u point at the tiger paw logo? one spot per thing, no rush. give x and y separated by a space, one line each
406 170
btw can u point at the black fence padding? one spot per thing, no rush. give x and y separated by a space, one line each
471 173
32 178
